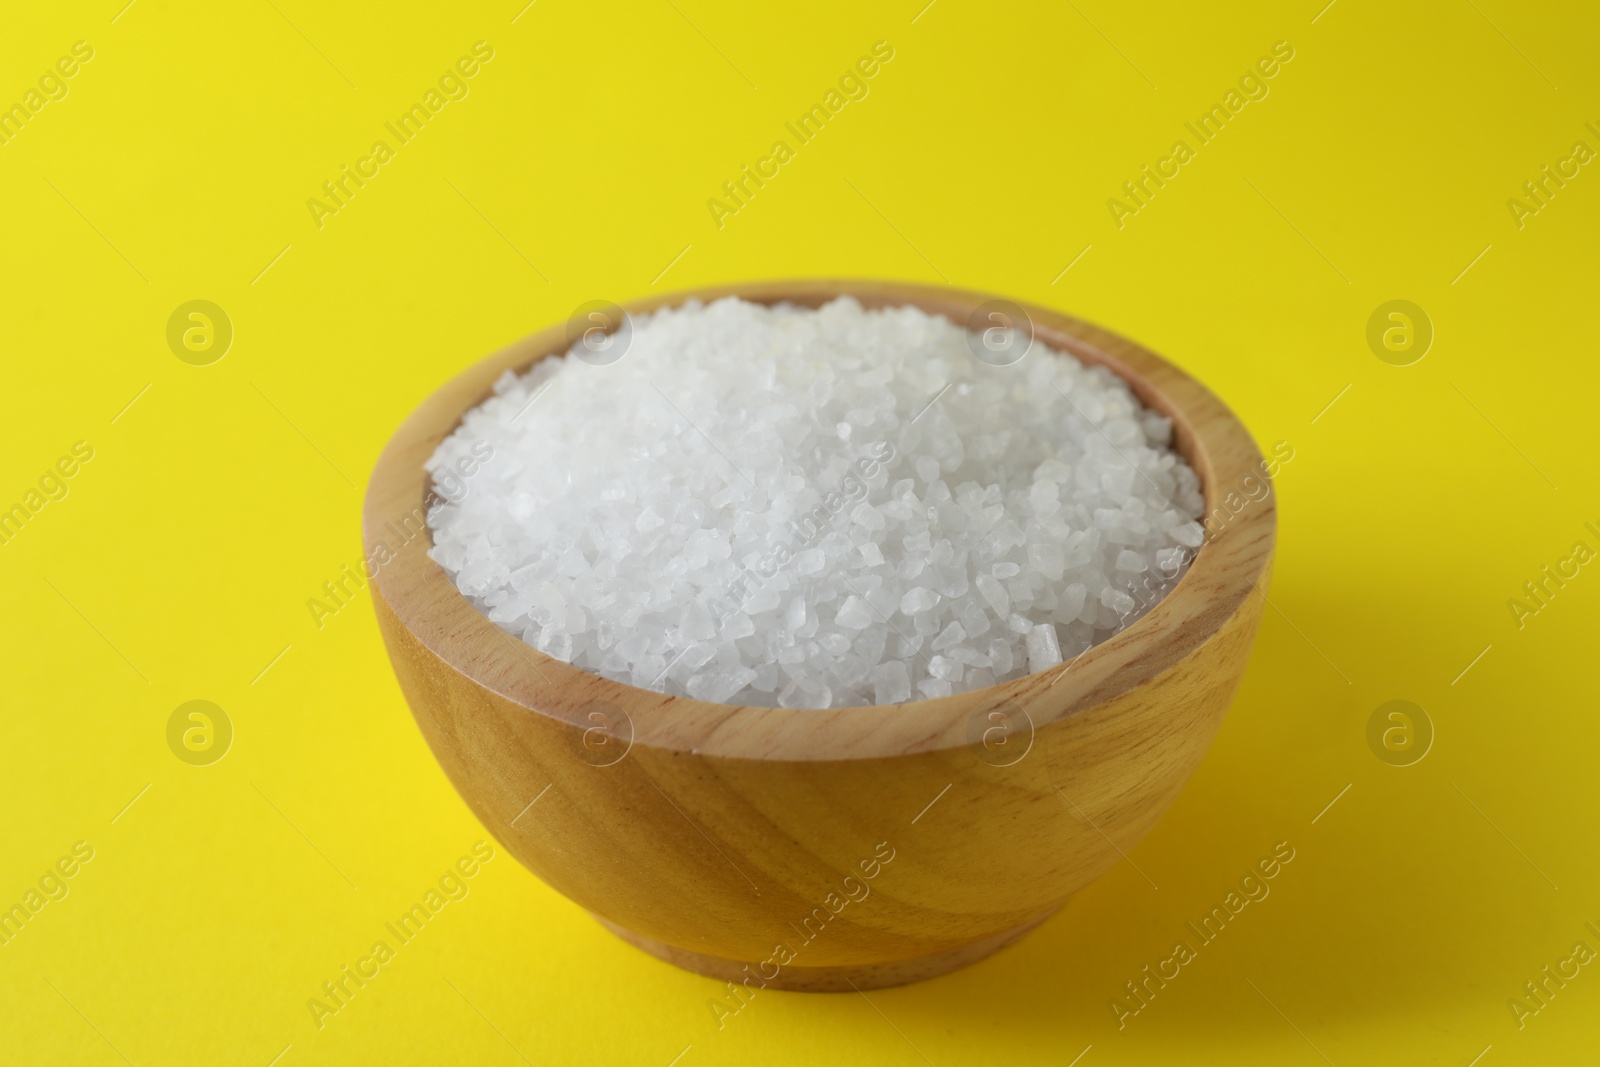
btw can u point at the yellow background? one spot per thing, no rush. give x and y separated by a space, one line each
179 565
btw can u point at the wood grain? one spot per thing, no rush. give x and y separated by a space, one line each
711 833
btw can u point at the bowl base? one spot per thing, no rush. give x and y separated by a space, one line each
844 978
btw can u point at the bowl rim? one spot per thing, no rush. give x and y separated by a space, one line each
423 600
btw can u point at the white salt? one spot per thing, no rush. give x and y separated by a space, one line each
891 682
854 614
1044 651
951 635
813 508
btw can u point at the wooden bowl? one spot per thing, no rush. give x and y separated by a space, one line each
845 848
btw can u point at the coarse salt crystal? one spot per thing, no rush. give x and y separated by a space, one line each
1044 651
